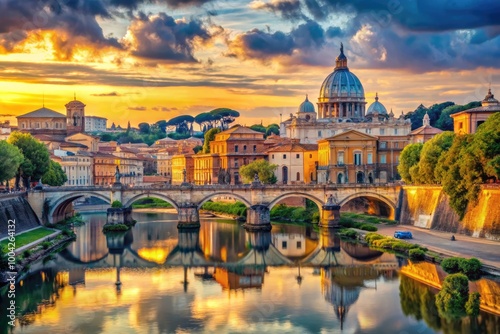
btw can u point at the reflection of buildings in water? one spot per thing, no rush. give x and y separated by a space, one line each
341 286
222 242
240 277
290 245
91 242
153 241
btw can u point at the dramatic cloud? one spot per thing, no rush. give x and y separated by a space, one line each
134 4
162 38
288 9
264 46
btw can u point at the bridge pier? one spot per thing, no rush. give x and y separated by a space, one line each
330 215
258 218
188 216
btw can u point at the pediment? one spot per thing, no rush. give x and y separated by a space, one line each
352 135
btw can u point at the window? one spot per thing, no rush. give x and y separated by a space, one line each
357 158
395 131
370 158
297 156
396 145
244 148
284 245
272 156
235 162
284 156
298 176
382 132
368 131
299 244
382 144
236 148
319 134
310 156
382 159
255 148
340 158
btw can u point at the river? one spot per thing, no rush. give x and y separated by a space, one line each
222 279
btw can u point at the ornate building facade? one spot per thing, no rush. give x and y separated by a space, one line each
342 107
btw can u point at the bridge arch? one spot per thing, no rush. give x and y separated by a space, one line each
375 196
131 201
316 200
228 193
59 207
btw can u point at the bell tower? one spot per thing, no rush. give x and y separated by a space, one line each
75 116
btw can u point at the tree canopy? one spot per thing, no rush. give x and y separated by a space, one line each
182 124
225 116
54 176
410 156
144 128
10 160
262 168
35 157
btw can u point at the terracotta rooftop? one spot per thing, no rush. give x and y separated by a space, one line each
295 147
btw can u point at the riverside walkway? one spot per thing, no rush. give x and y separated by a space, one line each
487 251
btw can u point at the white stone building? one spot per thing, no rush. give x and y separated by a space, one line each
95 124
78 168
341 107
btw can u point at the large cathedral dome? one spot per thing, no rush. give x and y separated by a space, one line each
341 82
342 95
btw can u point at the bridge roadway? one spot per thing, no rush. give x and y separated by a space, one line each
52 204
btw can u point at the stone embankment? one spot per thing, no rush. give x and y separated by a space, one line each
428 207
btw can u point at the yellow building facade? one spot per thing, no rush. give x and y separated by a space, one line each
356 157
467 121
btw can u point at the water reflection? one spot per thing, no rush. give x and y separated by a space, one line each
220 278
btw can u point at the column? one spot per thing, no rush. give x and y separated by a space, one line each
258 218
341 111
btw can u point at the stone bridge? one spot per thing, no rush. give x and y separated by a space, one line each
52 204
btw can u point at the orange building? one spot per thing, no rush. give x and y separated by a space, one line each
182 164
467 121
229 151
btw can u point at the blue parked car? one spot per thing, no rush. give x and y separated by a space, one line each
403 235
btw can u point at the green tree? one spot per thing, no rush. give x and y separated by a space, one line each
429 157
144 128
54 176
450 301
36 158
445 122
183 124
262 168
410 156
209 136
225 116
258 128
10 160
162 125
486 146
272 129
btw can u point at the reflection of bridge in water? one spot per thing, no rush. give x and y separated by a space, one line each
194 249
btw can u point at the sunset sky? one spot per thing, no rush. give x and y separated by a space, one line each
147 60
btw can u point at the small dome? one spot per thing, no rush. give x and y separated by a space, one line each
489 99
376 107
306 106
